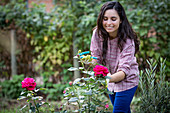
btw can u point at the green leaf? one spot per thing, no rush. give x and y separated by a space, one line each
66 57
109 92
46 17
32 109
42 88
73 99
73 69
76 81
143 32
88 92
86 79
23 92
37 98
36 90
21 97
89 72
38 105
23 107
28 100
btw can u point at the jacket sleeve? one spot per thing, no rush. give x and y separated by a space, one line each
95 46
127 57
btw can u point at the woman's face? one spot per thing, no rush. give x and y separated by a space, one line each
111 22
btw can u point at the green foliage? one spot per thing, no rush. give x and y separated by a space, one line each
53 88
55 91
12 88
52 33
150 19
77 18
86 16
51 45
8 16
154 95
8 110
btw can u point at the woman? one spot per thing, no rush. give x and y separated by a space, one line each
114 43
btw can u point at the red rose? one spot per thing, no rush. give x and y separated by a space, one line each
100 70
28 83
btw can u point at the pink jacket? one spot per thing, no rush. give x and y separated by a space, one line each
116 61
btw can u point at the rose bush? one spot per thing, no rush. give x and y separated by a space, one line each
86 94
33 101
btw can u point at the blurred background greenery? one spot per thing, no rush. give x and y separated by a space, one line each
45 41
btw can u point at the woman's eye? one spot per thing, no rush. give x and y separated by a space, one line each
113 19
105 19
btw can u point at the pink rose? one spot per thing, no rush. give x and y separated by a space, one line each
106 106
70 83
28 83
64 91
100 70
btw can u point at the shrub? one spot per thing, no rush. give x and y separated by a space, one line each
154 94
12 88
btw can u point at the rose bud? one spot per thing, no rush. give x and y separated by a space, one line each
70 83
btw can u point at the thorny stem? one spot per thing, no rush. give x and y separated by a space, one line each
36 106
88 86
88 99
82 64
77 96
89 67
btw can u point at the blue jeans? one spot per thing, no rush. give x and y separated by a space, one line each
121 100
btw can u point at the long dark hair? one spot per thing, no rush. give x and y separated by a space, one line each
124 31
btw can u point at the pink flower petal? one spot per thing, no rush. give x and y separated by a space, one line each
100 70
28 83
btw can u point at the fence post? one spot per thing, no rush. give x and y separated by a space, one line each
75 61
13 54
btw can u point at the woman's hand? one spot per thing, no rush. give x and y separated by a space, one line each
116 77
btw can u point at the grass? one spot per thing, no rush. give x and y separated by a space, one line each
14 110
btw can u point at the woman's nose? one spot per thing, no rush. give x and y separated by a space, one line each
109 21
